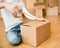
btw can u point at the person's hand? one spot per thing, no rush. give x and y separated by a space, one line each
41 19
13 8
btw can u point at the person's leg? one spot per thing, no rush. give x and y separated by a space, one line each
14 35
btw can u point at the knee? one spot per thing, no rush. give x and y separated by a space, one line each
15 41
14 38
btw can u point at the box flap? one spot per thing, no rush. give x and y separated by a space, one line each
36 23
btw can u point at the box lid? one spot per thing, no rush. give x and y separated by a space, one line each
36 23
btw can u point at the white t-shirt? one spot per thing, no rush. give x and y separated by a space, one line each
8 18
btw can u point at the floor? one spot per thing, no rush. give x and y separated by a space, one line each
52 42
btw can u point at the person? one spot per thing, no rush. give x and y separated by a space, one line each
12 24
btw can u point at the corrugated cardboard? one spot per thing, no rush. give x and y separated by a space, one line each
46 3
52 11
35 32
32 11
40 5
39 13
40 0
51 3
39 9
30 3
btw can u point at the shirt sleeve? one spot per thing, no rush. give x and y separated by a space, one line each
25 11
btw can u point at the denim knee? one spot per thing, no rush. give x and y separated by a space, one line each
14 41
14 38
14 35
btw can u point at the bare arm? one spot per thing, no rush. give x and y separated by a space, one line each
27 14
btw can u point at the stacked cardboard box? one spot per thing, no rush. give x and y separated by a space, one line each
39 9
40 1
51 3
35 32
32 11
30 3
39 13
39 5
52 11
51 7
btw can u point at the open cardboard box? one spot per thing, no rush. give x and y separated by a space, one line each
35 32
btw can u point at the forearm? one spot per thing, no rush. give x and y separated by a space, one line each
26 13
29 16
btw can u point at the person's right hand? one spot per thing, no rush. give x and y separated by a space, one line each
13 8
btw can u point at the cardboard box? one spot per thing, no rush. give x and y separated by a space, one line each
40 5
30 3
51 3
46 3
40 0
52 11
32 11
39 9
35 32
39 13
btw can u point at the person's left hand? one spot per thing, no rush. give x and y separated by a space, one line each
41 19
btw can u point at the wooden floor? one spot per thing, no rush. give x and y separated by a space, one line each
52 42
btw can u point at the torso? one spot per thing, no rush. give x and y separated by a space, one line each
8 18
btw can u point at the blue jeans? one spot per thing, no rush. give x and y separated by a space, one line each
14 35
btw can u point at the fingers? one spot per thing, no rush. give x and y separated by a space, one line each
17 9
41 19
